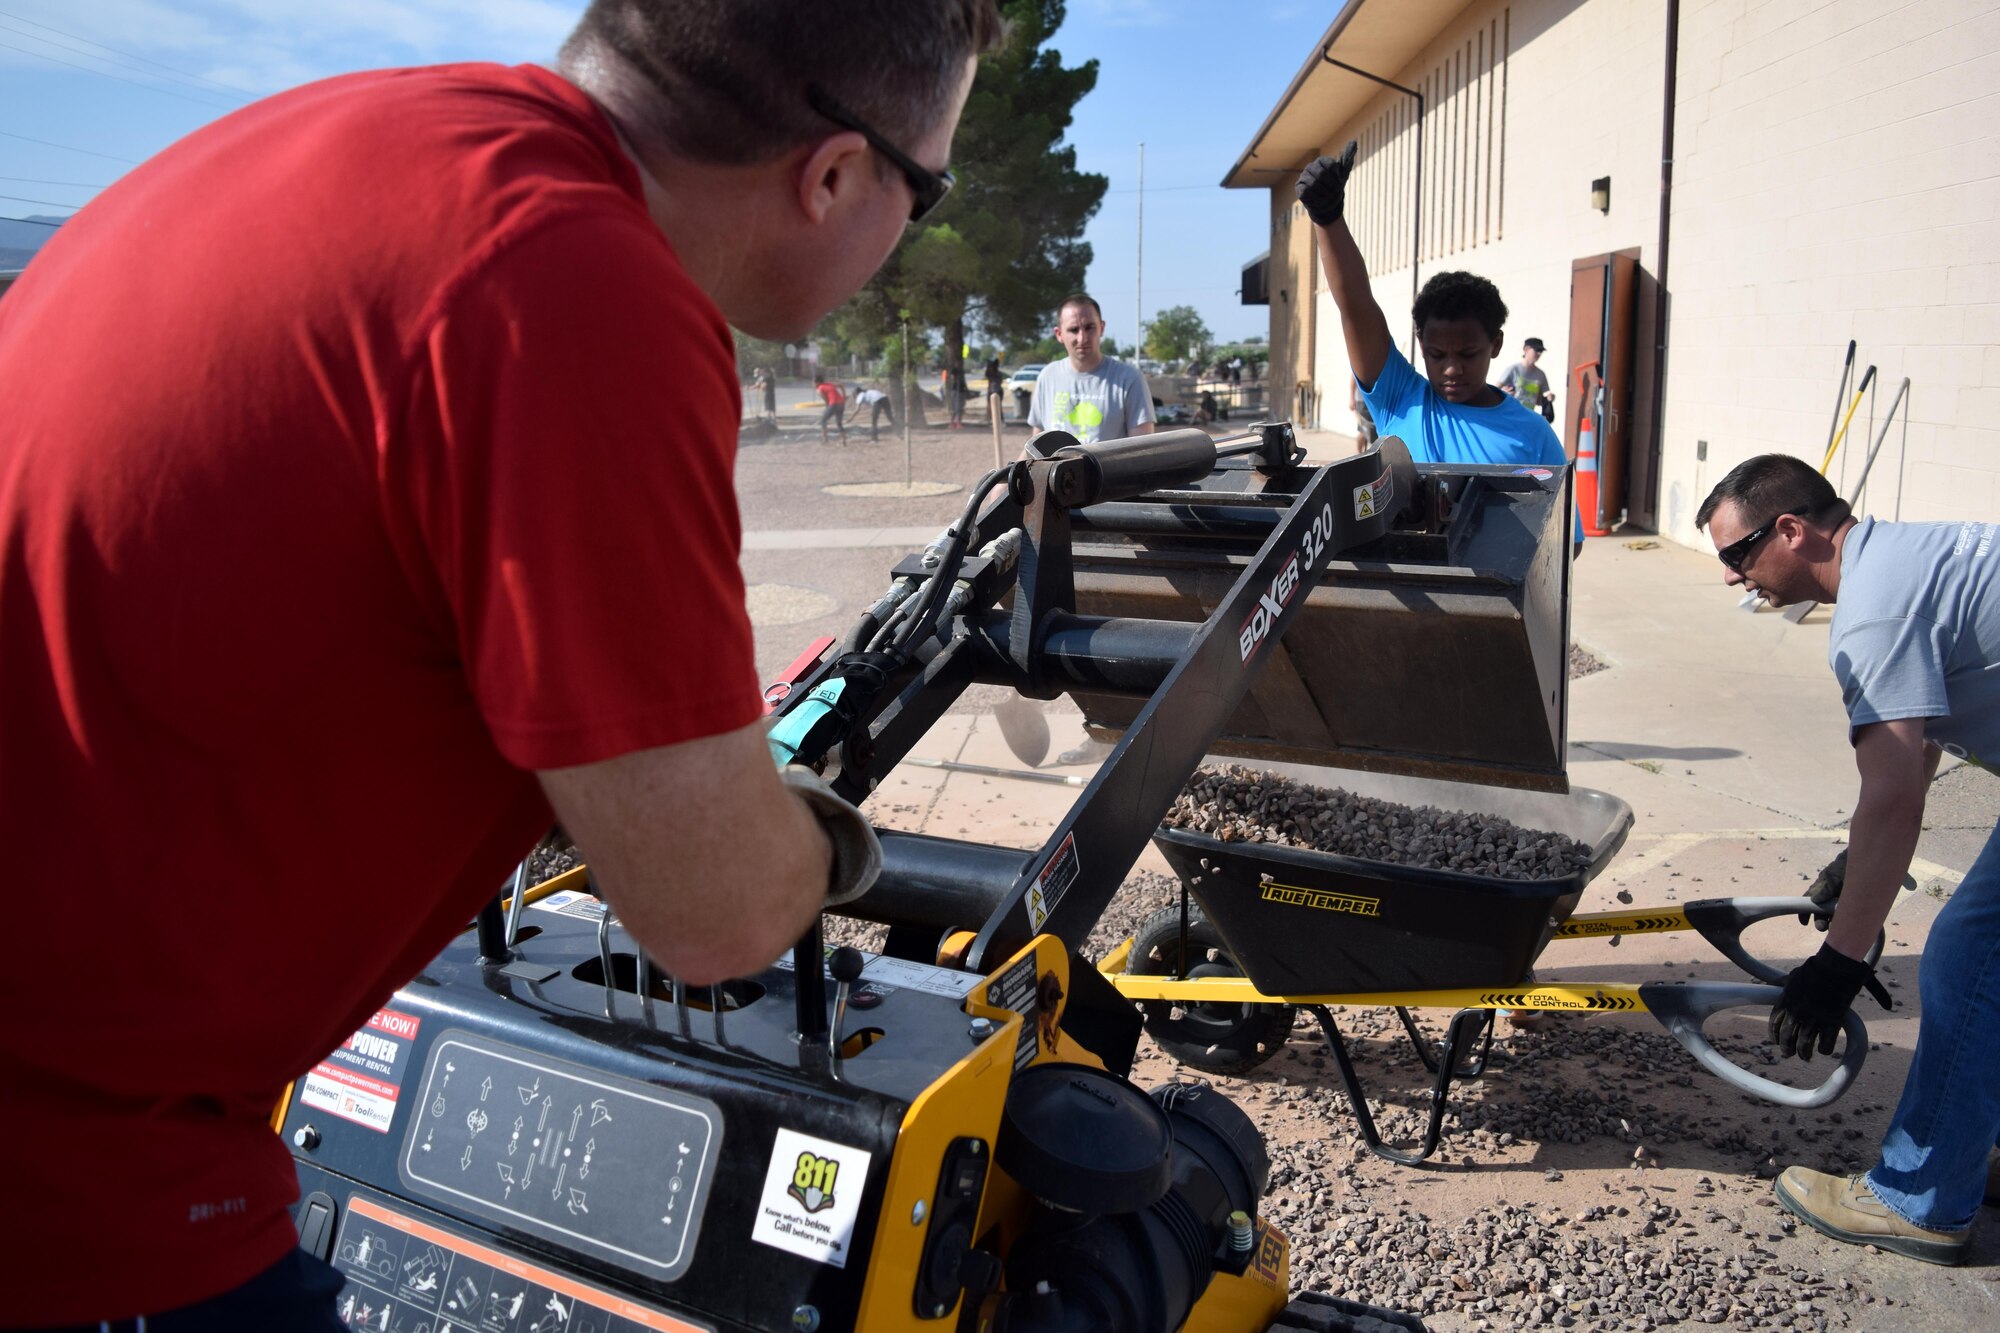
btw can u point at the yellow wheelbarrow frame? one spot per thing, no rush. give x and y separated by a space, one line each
1682 1008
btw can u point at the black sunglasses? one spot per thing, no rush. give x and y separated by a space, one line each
927 188
1733 555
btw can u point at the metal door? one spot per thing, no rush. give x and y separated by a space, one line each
1602 292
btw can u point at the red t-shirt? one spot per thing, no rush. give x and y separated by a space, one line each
832 394
359 454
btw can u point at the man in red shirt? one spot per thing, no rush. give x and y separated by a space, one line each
835 409
349 535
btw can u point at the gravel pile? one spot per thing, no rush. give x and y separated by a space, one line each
1581 662
1642 1251
1645 1253
1520 1266
1236 804
552 859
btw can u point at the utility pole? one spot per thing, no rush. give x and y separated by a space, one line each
909 466
1139 282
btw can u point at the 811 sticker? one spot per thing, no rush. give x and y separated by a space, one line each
811 1197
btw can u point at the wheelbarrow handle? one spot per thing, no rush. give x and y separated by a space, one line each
1684 1009
1722 921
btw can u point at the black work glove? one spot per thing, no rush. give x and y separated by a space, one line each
1825 892
1818 993
1322 187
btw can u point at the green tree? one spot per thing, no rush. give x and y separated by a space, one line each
1007 244
1177 333
754 352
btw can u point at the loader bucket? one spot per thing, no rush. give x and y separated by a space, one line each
1439 651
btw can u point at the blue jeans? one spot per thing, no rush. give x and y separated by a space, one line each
1933 1167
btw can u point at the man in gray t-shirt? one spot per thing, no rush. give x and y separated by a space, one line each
1088 394
1915 644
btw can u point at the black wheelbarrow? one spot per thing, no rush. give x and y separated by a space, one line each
1264 929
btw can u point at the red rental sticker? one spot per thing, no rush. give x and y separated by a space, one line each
395 1024
362 1078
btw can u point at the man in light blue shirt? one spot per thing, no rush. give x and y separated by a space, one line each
1089 394
1915 645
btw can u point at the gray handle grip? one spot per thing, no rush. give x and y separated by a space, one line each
1722 921
1683 1010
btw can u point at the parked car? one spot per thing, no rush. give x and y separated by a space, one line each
1021 387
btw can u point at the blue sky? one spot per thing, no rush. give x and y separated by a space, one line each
106 83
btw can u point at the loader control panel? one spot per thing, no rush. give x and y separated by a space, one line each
548 1145
611 1167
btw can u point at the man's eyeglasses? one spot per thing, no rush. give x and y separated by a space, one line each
927 188
1733 555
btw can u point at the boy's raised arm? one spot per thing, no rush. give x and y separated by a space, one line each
1322 189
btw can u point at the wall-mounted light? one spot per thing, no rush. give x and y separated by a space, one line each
1600 194
1285 294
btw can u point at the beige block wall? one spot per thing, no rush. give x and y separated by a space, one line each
1582 99
1837 177
1293 280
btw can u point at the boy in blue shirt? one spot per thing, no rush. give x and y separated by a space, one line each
1450 414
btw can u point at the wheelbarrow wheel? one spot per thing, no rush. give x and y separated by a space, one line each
1214 1038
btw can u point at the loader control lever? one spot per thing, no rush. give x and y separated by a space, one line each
846 965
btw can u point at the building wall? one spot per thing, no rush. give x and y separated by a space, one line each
1294 278
1835 179
1526 103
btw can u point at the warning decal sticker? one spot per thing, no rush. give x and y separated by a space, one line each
812 1195
1369 499
1053 882
570 902
362 1079
1017 989
403 1275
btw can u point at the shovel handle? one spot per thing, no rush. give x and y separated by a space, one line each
1722 921
1684 1009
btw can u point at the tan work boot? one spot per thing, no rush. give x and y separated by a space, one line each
1844 1208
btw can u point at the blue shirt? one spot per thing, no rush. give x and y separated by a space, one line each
1916 632
1438 431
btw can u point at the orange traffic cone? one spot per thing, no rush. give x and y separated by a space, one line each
1586 477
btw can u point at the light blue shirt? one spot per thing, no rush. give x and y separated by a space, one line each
1916 632
1439 431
